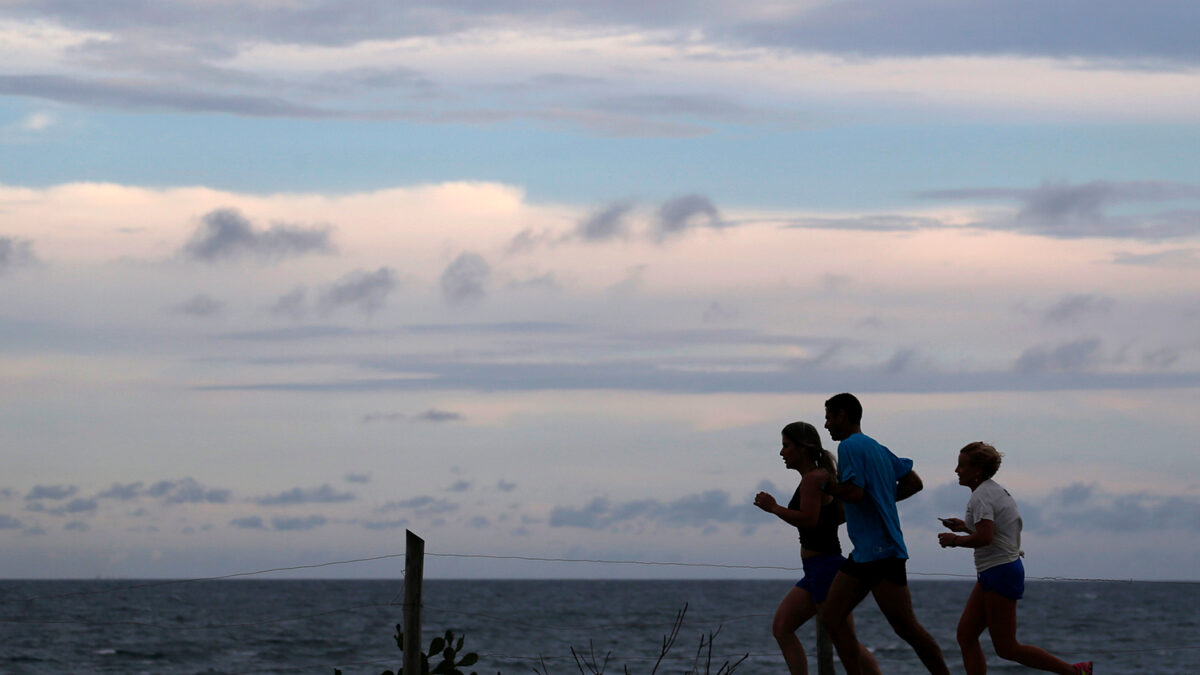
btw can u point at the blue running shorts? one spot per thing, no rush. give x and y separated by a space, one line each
819 571
1007 579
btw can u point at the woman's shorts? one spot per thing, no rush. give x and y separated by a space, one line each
1008 579
819 571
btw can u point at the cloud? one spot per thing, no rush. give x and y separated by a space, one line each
225 234
527 240
465 279
431 415
903 360
248 523
693 105
542 282
15 253
77 526
122 492
1070 211
374 78
1108 29
1105 29
295 333
631 283
366 290
423 505
459 486
51 492
385 524
298 523
383 417
1163 357
7 522
1070 356
683 213
479 523
144 95
1179 257
605 224
74 506
824 371
435 415
871 223
187 491
37 122
1075 494
698 510
292 304
1074 307
717 313
505 486
200 306
1058 204
324 494
357 478
1071 508
81 506
1087 507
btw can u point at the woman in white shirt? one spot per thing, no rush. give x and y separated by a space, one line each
993 528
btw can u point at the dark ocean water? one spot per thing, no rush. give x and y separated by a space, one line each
311 626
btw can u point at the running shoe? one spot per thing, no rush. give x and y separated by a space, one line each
1083 668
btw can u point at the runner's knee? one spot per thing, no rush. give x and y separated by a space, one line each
1006 649
782 628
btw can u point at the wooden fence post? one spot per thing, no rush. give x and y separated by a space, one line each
824 650
414 571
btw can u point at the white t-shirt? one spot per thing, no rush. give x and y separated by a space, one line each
991 502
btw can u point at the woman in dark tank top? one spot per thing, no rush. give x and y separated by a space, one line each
816 516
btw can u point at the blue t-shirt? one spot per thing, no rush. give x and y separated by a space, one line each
873 523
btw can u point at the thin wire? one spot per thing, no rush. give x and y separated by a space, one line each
222 626
744 567
652 563
449 555
190 581
611 562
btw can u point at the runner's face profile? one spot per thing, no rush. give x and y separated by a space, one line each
835 422
968 475
791 453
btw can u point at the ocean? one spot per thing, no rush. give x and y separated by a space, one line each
525 626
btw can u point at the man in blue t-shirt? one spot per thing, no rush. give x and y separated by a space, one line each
871 479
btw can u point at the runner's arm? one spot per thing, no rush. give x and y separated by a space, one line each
908 485
982 536
845 491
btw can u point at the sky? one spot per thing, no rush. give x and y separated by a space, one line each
283 279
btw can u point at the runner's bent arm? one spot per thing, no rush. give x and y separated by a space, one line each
982 536
908 485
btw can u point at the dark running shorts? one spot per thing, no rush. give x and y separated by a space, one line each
1007 579
875 571
819 571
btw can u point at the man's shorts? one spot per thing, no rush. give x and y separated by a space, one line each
875 571
819 571
1007 579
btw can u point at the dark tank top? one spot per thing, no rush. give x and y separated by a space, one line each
824 537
